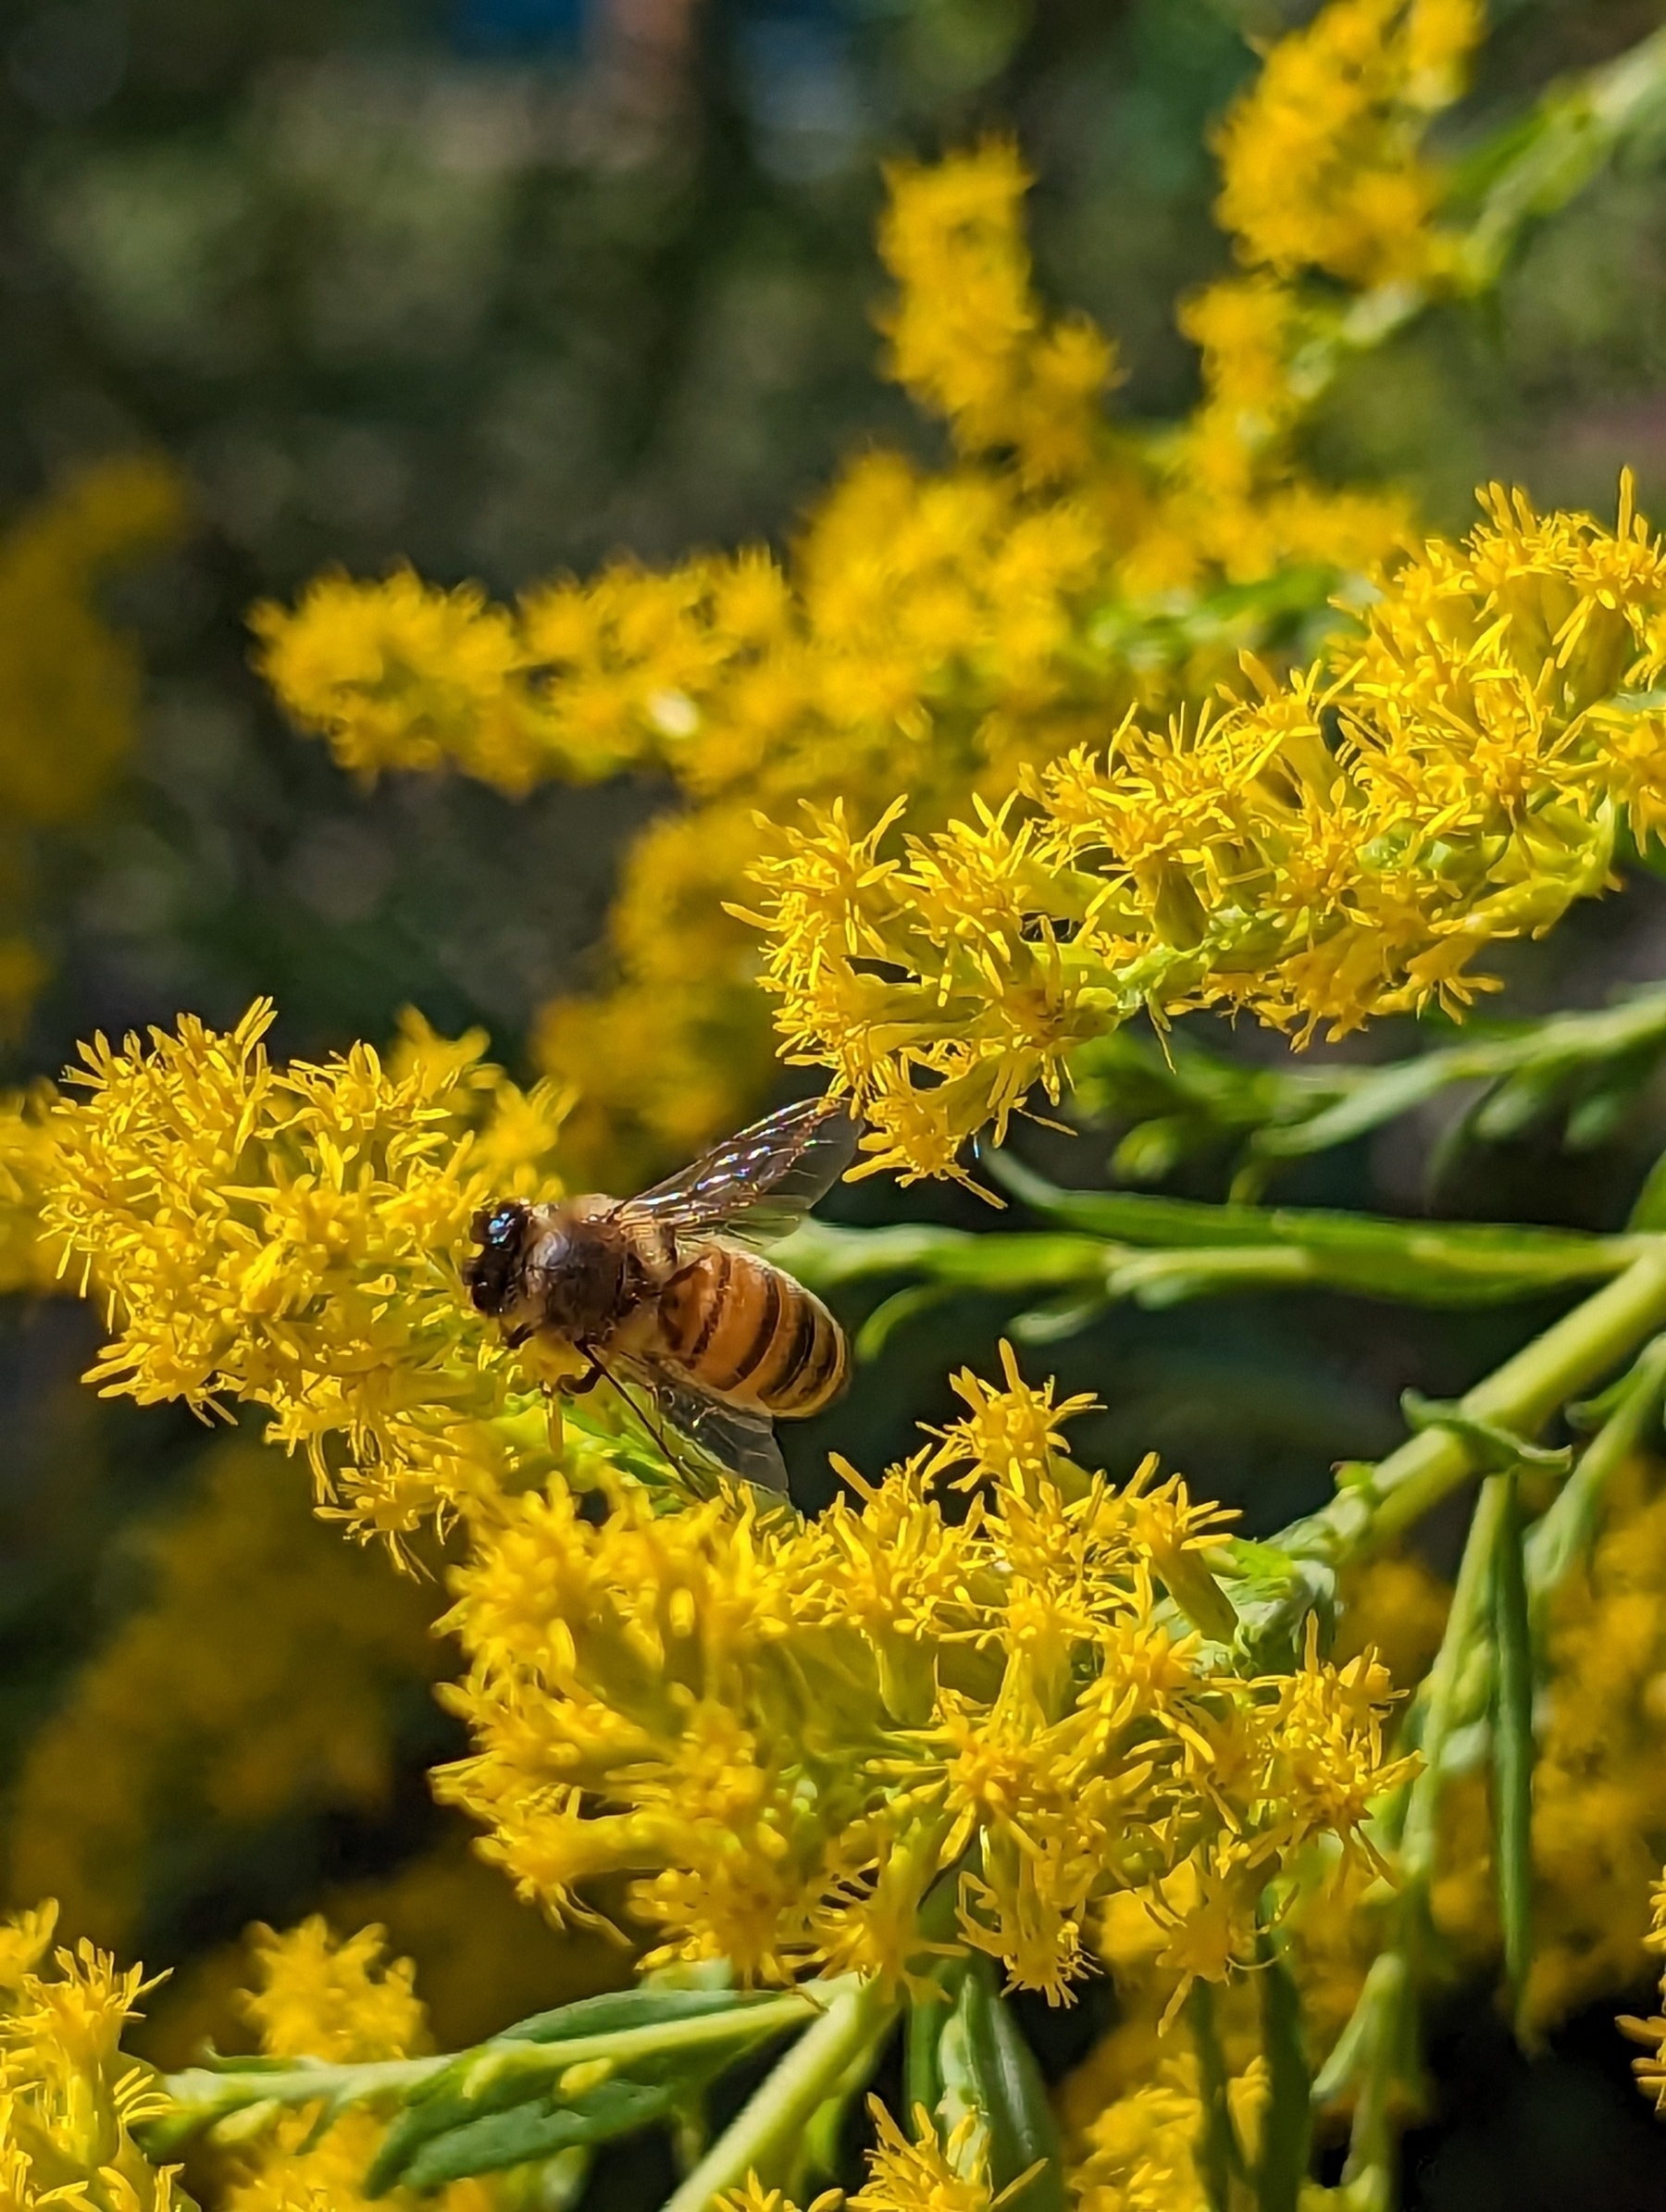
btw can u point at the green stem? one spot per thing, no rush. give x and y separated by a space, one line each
762 2136
1521 1396
1444 1713
201 2096
1281 2166
1376 2052
1219 2155
1562 1537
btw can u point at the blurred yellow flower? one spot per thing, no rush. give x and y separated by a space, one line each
1320 165
258 1678
323 1997
69 683
937 630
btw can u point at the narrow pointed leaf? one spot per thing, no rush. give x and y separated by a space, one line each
1512 1747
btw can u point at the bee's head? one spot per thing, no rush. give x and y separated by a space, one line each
494 1275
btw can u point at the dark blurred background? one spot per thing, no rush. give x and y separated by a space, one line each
505 286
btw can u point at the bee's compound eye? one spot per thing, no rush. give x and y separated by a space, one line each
504 1225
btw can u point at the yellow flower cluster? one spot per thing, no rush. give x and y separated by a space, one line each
933 630
70 2099
68 682
257 1679
339 2000
1141 2146
1343 844
1321 167
291 1238
785 1734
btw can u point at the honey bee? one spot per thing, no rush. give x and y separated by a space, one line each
671 1289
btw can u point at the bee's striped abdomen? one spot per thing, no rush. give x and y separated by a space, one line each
746 1332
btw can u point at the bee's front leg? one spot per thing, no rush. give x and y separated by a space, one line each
580 1385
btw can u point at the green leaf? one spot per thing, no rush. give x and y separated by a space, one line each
1183 1098
1220 2157
527 2133
612 2014
1562 1537
1440 1262
1650 1212
988 2068
928 2015
1512 1747
1495 1447
1274 1598
485 2082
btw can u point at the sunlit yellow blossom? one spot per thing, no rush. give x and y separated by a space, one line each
924 2174
291 1238
784 1733
967 336
400 674
1342 845
753 2197
69 2098
1013 1426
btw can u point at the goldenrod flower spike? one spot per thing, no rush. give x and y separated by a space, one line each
1344 844
783 1735
290 1237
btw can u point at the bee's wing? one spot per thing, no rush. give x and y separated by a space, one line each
756 1187
735 1437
